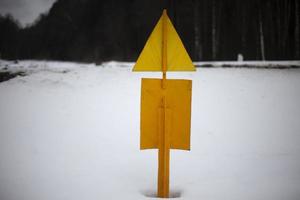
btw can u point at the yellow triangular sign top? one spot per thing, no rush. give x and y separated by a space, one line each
151 57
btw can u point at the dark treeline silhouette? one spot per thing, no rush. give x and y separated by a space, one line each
94 30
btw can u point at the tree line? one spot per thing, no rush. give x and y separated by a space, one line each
96 31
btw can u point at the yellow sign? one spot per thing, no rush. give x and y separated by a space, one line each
165 103
178 111
151 57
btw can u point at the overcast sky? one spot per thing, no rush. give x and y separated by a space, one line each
25 11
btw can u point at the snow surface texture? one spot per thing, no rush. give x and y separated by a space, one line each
251 64
71 132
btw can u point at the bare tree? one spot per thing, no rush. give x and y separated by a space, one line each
198 47
297 31
244 27
261 36
287 19
214 31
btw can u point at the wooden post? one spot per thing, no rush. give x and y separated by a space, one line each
164 144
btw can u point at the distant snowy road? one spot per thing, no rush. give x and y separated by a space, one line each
71 132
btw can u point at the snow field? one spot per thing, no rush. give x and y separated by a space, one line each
71 131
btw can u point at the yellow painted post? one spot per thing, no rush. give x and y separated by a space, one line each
164 140
165 103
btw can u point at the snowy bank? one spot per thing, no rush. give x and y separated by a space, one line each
251 64
71 131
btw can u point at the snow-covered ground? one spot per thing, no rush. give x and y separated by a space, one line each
252 64
71 132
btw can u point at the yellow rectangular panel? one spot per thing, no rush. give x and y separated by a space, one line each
178 112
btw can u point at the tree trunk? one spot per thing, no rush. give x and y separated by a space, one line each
214 38
244 31
278 20
197 49
287 16
261 33
297 33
